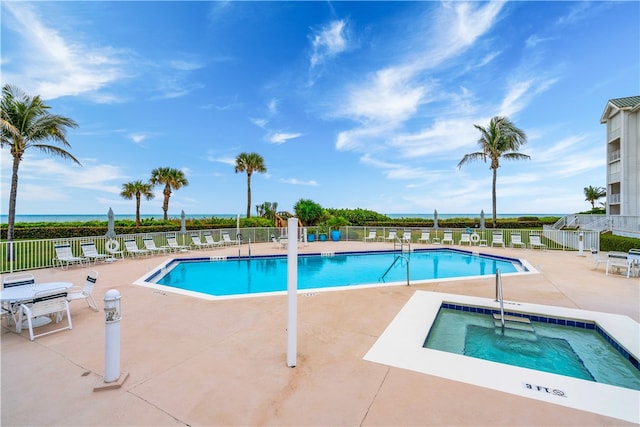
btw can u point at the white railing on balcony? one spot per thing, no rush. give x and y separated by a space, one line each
613 198
614 177
34 254
614 156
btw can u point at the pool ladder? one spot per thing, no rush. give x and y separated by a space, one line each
499 295
394 263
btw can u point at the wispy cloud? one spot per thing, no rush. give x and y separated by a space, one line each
138 137
51 64
295 181
328 42
282 137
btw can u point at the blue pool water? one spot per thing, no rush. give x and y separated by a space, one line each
269 274
560 349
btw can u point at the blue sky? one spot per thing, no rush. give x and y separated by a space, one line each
352 104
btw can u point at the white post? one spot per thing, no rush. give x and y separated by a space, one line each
581 244
292 294
112 336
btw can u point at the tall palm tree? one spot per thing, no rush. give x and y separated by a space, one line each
26 123
137 189
171 179
592 194
500 140
249 163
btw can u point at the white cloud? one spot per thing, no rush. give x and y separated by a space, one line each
295 181
261 123
282 137
328 42
137 137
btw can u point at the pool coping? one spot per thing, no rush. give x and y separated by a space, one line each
144 280
401 346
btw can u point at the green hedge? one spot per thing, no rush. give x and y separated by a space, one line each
610 242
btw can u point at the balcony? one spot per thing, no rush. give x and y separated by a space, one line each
613 199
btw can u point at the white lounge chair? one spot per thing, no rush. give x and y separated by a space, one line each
227 239
64 256
424 237
516 241
535 242
371 237
91 253
392 236
131 247
197 243
172 242
150 245
465 238
497 239
448 237
46 303
406 236
85 292
209 239
634 262
598 259
618 261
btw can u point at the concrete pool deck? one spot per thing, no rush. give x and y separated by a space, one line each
198 362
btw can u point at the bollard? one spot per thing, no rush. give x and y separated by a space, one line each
112 316
581 244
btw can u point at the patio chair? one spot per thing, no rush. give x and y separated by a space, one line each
91 253
535 242
393 234
131 247
150 245
424 237
465 238
197 243
46 303
619 262
172 241
18 279
64 256
598 259
516 241
497 239
227 240
448 237
85 292
406 236
372 237
634 262
209 239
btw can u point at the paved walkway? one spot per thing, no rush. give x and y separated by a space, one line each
197 362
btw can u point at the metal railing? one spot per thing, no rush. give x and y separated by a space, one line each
34 254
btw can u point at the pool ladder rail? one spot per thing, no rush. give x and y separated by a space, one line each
507 321
394 263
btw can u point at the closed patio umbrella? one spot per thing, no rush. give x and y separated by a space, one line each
111 229
435 218
183 225
482 219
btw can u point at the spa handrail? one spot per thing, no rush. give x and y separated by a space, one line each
499 295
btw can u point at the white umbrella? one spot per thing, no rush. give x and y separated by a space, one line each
183 226
111 230
435 218
482 219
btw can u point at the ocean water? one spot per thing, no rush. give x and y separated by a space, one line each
103 217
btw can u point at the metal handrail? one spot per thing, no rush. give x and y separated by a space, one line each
499 295
394 263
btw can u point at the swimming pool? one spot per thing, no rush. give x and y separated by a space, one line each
402 345
267 274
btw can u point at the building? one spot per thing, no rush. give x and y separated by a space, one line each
622 117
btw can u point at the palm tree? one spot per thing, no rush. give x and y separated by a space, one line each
592 194
171 179
137 189
26 123
249 163
500 140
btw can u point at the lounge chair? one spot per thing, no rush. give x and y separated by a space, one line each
598 259
393 234
131 247
64 256
424 237
406 236
197 243
150 245
497 239
371 237
227 239
465 238
209 239
634 262
91 253
535 242
516 241
46 303
448 237
620 262
172 242
85 292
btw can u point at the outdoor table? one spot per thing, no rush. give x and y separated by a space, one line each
14 296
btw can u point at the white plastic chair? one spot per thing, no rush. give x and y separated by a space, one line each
598 259
448 237
172 241
516 241
371 237
85 292
497 239
424 237
44 304
209 239
406 236
131 247
150 245
535 242
392 236
465 238
64 256
91 253
18 279
197 243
